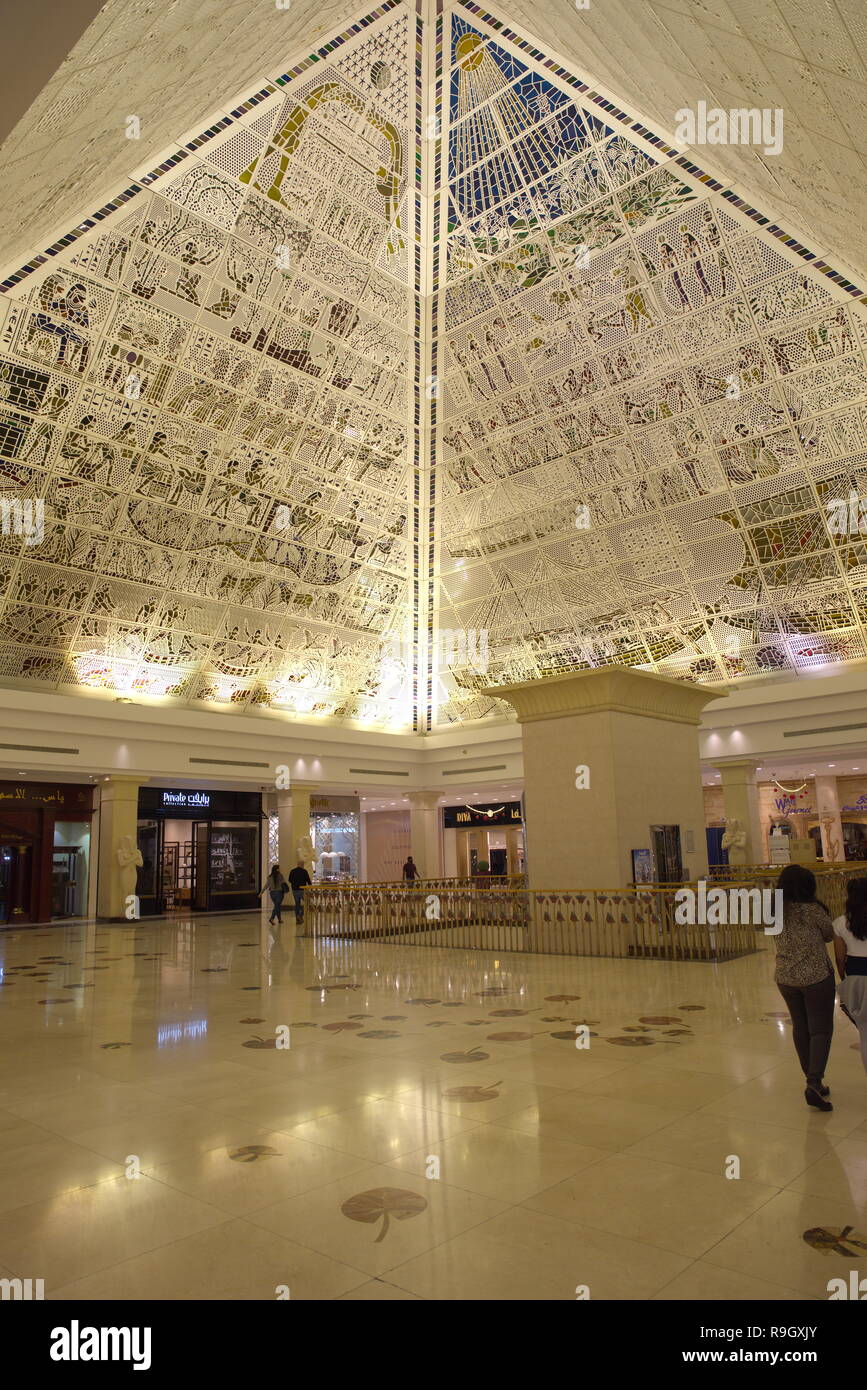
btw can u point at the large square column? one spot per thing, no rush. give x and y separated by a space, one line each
424 833
741 806
119 855
636 736
293 827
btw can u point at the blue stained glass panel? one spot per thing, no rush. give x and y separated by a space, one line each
540 96
479 70
598 129
526 103
505 62
486 185
460 26
472 140
548 146
454 220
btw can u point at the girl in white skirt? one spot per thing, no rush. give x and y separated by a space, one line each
850 948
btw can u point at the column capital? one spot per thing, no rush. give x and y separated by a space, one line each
423 801
121 787
296 792
612 688
737 769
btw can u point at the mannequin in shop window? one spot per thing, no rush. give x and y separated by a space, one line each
329 861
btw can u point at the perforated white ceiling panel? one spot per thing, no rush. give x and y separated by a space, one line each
641 379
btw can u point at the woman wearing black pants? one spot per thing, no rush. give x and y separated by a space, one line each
804 977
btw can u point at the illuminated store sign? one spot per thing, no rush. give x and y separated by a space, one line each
482 816
187 799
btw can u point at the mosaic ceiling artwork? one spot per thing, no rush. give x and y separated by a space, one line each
215 397
646 410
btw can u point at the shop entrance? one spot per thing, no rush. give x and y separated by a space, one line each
16 868
197 863
483 839
666 853
44 850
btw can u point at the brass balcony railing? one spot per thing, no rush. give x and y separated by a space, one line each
625 923
636 923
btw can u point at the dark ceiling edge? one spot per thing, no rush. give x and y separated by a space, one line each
37 36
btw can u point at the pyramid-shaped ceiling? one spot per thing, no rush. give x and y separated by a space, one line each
424 337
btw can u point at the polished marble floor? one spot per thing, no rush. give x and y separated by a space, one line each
206 1110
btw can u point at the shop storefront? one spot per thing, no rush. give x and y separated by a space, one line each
45 830
201 850
334 830
481 835
853 818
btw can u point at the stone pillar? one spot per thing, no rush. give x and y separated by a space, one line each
293 826
636 734
118 830
424 834
828 808
741 805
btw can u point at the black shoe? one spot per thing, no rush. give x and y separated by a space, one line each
813 1097
823 1090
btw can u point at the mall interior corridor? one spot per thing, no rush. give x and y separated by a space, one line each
433 653
431 1130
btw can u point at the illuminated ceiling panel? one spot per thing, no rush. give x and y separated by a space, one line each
645 400
213 398
647 407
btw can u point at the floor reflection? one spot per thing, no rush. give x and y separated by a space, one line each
209 1107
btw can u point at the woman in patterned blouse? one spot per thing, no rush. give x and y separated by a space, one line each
804 977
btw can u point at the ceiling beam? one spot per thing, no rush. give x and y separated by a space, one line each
37 36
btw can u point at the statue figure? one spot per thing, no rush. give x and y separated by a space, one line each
306 854
130 860
735 841
832 854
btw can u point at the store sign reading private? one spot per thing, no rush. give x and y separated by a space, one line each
197 800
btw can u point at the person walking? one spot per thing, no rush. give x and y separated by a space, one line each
410 870
276 886
850 949
299 879
804 977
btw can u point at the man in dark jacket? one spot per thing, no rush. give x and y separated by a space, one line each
299 879
410 870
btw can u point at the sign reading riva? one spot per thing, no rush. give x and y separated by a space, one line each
503 814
